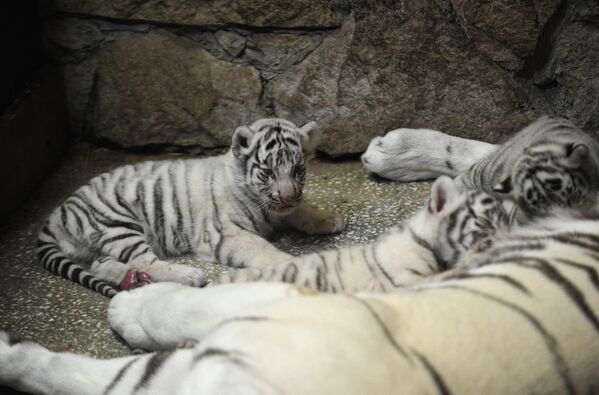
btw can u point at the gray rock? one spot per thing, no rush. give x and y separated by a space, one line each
79 80
72 34
404 67
277 13
231 42
545 9
505 31
575 93
187 72
280 51
158 88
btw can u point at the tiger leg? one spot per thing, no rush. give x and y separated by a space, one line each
126 255
27 366
314 221
240 248
163 316
420 154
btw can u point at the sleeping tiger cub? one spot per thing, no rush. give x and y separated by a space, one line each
127 222
523 319
561 158
430 242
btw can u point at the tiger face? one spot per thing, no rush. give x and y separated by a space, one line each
271 155
551 176
458 221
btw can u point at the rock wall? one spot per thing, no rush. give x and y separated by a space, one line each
186 72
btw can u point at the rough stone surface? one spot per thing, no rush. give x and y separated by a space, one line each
575 93
185 73
60 314
231 42
158 88
504 30
277 13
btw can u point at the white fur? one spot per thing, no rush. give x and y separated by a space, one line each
420 154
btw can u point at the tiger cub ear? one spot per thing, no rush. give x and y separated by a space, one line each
310 136
241 142
443 192
577 155
504 187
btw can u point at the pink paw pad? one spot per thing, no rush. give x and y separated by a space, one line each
134 279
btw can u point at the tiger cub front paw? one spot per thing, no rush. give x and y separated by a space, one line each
326 222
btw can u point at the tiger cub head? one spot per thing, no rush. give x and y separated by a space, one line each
457 221
550 176
270 157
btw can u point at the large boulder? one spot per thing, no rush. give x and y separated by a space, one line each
186 72
262 13
410 67
157 88
574 92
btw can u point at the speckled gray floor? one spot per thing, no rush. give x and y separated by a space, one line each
62 315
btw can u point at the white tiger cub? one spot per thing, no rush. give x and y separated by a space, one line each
563 159
432 241
126 223
523 320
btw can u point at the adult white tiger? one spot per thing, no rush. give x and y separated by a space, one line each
563 159
523 320
129 220
430 242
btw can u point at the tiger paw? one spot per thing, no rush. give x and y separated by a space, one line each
238 276
177 273
134 279
328 222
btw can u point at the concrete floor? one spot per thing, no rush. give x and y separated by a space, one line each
62 315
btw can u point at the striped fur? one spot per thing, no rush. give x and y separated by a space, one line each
220 208
551 144
520 317
435 239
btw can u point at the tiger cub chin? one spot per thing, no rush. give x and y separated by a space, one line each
450 223
121 227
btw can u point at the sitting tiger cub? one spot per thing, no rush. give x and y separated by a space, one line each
432 241
122 225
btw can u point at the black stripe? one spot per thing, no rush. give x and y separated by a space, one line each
113 208
175 199
152 366
159 218
105 220
382 325
502 277
139 253
553 275
140 196
82 207
441 264
338 269
119 237
550 342
75 214
378 264
591 272
435 375
576 239
247 211
290 273
125 254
